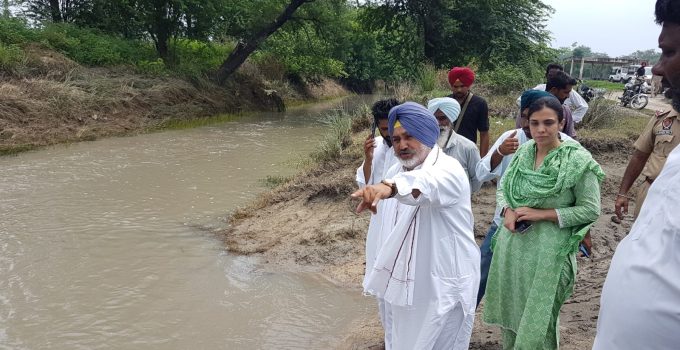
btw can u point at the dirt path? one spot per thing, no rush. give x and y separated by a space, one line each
657 103
308 225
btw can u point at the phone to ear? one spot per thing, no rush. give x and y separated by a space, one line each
373 127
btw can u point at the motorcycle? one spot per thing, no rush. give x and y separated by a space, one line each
589 93
586 92
634 94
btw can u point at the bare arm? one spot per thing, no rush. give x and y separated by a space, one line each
369 145
633 170
508 147
483 143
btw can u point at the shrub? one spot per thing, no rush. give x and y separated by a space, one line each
426 77
505 79
336 140
11 57
92 47
156 67
15 31
196 58
603 113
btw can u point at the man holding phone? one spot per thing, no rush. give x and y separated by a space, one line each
378 158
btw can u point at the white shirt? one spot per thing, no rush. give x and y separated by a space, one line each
427 269
467 154
640 304
484 171
576 103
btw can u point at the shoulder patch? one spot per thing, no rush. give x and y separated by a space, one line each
667 123
660 113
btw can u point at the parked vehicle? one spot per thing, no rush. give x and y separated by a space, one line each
627 73
634 95
618 74
589 93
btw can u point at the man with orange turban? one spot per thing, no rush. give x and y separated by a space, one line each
474 115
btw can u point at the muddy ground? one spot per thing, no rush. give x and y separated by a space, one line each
309 225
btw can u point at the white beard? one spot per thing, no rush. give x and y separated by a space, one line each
444 133
419 158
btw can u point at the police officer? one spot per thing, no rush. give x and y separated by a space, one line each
658 139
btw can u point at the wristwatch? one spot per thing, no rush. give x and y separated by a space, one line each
392 184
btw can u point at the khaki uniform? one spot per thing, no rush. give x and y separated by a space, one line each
659 137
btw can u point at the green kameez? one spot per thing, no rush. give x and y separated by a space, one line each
532 274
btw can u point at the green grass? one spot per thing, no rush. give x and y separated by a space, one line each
603 84
272 181
174 124
498 126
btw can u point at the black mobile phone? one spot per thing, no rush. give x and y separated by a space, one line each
373 127
522 226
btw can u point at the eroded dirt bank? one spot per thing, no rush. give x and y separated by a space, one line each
309 224
57 100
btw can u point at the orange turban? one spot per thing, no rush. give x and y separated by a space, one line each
464 74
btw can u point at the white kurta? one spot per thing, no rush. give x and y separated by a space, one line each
383 159
485 173
430 292
640 304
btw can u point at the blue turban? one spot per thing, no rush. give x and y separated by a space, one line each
530 96
418 122
449 106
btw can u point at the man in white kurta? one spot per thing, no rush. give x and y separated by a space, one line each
427 269
640 304
378 151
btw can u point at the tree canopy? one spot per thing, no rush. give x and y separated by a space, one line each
359 40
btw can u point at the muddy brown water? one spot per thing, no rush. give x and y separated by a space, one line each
100 246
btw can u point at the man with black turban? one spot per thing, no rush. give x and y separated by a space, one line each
427 266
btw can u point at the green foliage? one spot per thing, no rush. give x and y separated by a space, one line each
304 52
91 47
505 79
11 57
156 67
196 58
273 181
427 77
15 31
336 140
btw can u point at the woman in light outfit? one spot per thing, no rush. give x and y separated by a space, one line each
553 186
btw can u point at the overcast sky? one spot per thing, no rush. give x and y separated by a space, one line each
616 27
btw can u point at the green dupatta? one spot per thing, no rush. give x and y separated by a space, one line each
561 169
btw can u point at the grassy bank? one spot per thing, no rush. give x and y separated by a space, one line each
606 127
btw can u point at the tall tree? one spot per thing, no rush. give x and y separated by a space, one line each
457 31
245 48
5 9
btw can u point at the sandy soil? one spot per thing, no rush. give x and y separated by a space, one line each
309 225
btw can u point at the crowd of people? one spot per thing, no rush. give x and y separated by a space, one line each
423 264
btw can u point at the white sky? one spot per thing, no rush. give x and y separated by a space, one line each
616 27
